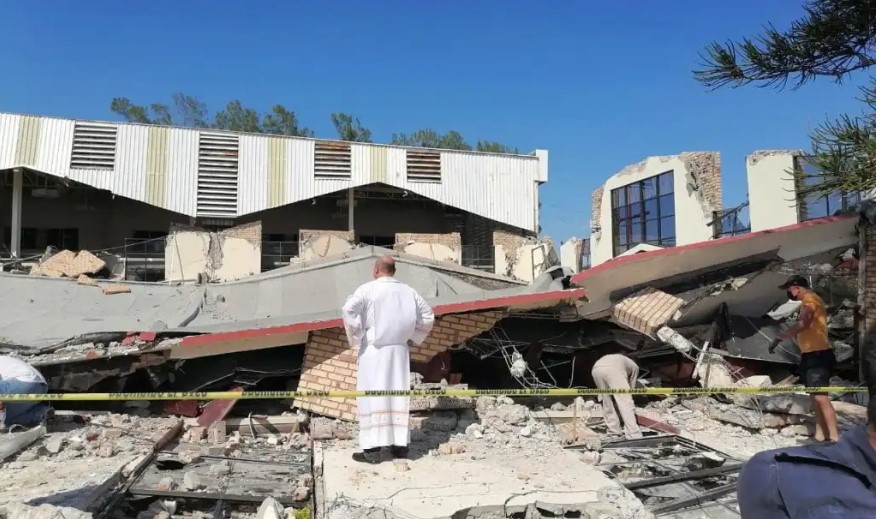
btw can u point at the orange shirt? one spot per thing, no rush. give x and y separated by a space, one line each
814 338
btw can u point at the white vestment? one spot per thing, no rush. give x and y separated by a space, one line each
380 318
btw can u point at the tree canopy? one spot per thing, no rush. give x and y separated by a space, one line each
834 39
190 112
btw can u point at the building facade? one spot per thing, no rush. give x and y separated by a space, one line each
98 185
678 200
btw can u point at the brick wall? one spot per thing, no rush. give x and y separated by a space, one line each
252 232
452 240
647 310
596 200
510 242
330 364
708 169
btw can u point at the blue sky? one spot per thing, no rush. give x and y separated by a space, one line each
599 84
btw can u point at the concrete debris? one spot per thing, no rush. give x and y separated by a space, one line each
192 481
270 509
44 511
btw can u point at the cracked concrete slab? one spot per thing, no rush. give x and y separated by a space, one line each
506 484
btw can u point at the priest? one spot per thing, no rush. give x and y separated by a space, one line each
383 319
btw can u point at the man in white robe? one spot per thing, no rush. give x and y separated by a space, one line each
383 318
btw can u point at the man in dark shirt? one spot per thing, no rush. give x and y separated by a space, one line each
830 480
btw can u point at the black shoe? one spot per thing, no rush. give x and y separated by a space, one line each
370 456
400 452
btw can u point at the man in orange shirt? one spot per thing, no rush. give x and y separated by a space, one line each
817 359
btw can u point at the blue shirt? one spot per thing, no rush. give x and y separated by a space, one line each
829 480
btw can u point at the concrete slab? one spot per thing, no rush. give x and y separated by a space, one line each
508 482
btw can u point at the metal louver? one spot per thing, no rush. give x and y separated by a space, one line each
218 175
94 146
423 165
333 160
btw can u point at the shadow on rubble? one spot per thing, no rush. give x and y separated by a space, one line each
80 498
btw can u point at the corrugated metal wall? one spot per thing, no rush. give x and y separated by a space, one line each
159 165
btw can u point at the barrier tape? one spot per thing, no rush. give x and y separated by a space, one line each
305 395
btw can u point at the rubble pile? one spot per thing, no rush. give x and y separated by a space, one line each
76 463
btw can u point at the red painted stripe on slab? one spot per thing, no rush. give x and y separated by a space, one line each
451 308
615 262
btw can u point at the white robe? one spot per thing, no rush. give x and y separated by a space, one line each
380 318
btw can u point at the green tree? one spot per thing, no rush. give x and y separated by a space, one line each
495 147
833 39
349 128
190 112
451 140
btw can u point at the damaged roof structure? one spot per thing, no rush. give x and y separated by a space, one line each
696 314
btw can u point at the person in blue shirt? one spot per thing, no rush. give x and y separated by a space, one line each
829 480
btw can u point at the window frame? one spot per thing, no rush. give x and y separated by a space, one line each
644 212
830 203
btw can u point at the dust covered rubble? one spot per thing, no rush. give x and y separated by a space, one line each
77 456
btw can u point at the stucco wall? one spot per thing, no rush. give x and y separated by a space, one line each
771 189
693 208
224 256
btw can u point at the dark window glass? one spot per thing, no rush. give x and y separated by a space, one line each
666 205
635 210
644 213
634 192
619 197
666 183
650 188
668 242
667 228
652 231
650 207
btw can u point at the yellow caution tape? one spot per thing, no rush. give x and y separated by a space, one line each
305 395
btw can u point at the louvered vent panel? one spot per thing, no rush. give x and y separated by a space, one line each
94 146
423 166
218 175
333 160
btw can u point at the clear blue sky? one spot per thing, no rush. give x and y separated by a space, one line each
599 84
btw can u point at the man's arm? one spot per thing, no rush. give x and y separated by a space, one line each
353 318
425 320
806 314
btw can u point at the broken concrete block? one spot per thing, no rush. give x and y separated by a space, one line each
321 429
54 444
441 403
166 485
301 493
451 448
86 281
270 509
305 480
115 288
341 433
106 449
44 511
401 466
196 434
220 469
111 434
217 433
192 481
298 441
444 421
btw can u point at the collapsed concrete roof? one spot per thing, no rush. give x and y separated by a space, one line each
693 269
43 314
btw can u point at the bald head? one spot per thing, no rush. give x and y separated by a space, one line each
384 267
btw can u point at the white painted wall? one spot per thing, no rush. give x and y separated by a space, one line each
187 254
692 213
569 254
434 251
771 189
